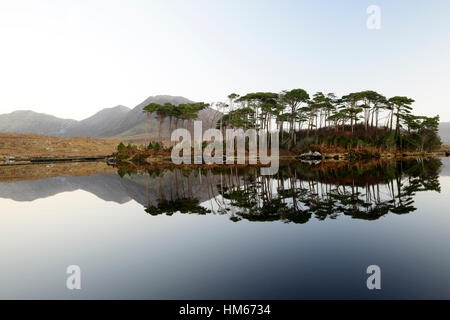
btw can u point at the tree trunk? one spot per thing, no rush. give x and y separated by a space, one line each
376 118
159 128
146 128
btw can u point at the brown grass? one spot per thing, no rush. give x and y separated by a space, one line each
44 171
33 145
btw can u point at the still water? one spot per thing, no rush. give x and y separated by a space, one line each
309 232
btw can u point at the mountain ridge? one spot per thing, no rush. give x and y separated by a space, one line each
106 123
27 121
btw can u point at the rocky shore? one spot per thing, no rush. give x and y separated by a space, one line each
350 156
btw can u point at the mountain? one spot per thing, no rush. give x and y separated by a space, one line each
444 132
136 117
102 124
119 121
134 123
32 122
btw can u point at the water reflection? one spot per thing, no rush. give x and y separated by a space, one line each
295 195
202 255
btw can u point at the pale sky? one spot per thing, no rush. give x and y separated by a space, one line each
73 58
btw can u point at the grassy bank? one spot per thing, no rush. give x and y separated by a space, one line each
33 145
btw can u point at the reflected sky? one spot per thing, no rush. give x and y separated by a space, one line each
127 253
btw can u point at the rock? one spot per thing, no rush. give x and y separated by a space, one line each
9 159
311 155
312 162
112 161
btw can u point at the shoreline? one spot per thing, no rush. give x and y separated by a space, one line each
348 156
164 160
41 170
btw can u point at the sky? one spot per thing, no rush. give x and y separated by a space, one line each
73 58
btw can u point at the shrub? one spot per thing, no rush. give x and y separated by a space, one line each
121 147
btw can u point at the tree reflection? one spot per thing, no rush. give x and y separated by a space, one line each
296 194
181 206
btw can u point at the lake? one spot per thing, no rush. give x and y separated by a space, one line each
309 232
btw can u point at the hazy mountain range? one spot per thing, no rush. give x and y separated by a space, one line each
109 122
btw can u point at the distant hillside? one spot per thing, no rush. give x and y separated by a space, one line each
32 122
119 121
103 124
444 132
137 118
